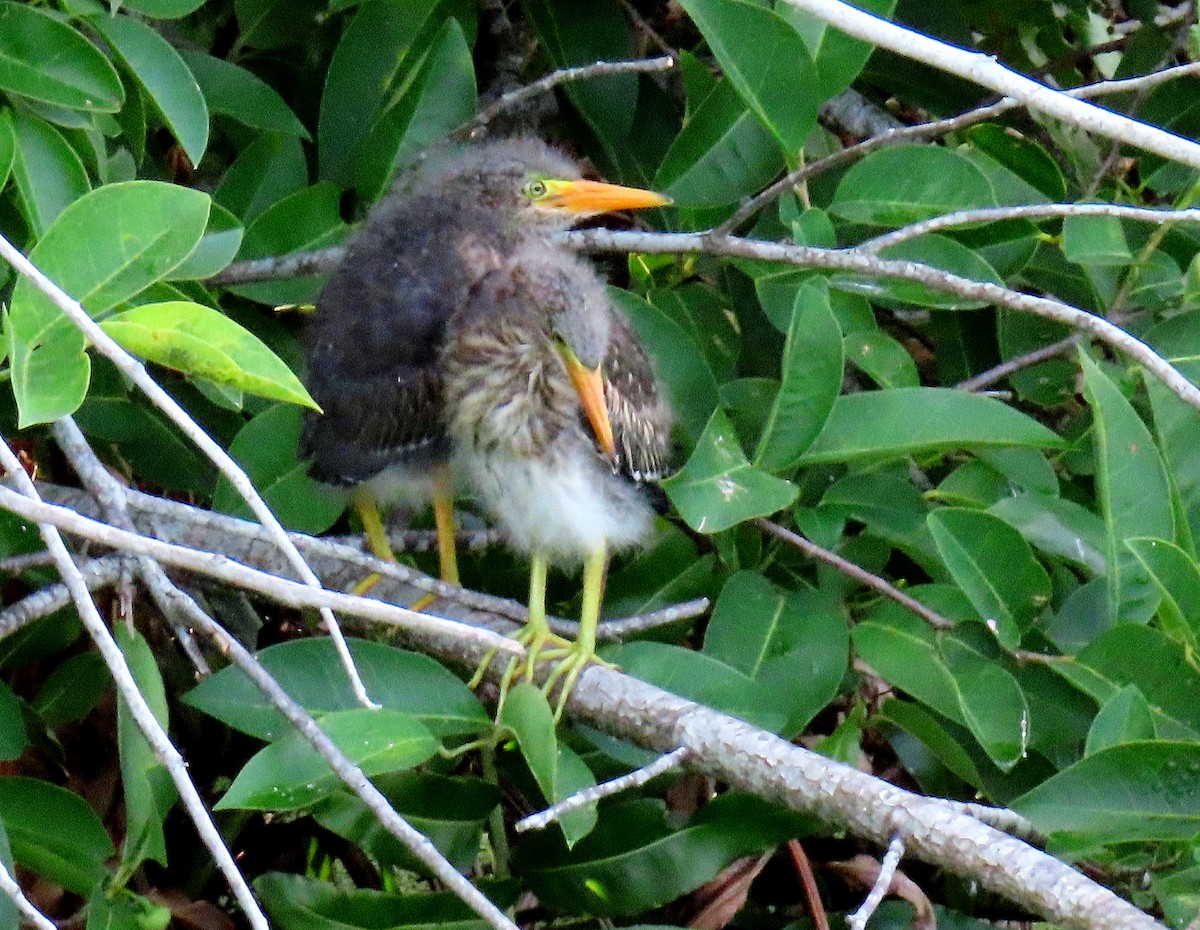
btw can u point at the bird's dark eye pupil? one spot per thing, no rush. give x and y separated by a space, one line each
536 189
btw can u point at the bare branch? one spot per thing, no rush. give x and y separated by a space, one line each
276 267
12 890
887 871
986 71
1027 212
856 262
1017 362
136 372
1002 819
96 573
139 710
16 564
634 779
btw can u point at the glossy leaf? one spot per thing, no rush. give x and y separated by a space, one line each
1021 155
914 420
266 448
1135 791
718 487
72 690
1056 526
991 700
8 145
233 91
773 74
558 771
1124 718
904 184
149 791
795 644
310 671
1133 492
1175 575
1095 240
440 97
904 651
217 247
723 153
203 342
811 381
995 568
165 78
837 58
936 251
634 861
76 76
133 235
289 774
164 9
73 853
267 170
881 358
12 724
47 172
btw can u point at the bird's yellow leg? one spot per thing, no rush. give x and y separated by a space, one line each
443 520
583 650
368 512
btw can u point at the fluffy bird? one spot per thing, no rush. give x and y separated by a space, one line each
552 406
378 343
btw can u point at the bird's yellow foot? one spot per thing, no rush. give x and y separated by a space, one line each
535 638
568 671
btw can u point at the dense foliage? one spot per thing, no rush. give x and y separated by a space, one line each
1050 528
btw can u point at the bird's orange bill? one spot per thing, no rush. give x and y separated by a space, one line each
589 197
589 383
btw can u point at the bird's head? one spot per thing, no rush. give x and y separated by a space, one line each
535 184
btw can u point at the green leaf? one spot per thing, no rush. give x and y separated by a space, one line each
164 9
266 448
203 342
904 184
907 421
994 567
722 154
132 234
13 739
774 73
48 174
295 902
935 738
679 364
991 702
242 95
556 768
904 651
795 644
9 915
1124 718
1095 240
267 170
217 247
76 75
936 251
837 57
718 488
72 690
163 76
72 854
311 672
881 358
1022 156
1133 491
1133 792
1057 526
289 774
634 861
811 382
451 812
1175 575
8 145
149 792
440 97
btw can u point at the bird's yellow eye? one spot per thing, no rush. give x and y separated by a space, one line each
535 190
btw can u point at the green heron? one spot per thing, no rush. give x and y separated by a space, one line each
552 406
376 345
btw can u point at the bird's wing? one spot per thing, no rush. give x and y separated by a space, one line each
640 418
375 340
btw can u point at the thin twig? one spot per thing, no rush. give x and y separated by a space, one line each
281 590
861 263
931 130
887 871
616 630
16 564
479 122
1018 362
1035 211
276 267
850 570
136 372
139 710
812 894
13 891
97 573
634 779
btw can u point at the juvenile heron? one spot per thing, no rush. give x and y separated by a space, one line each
552 406
376 345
